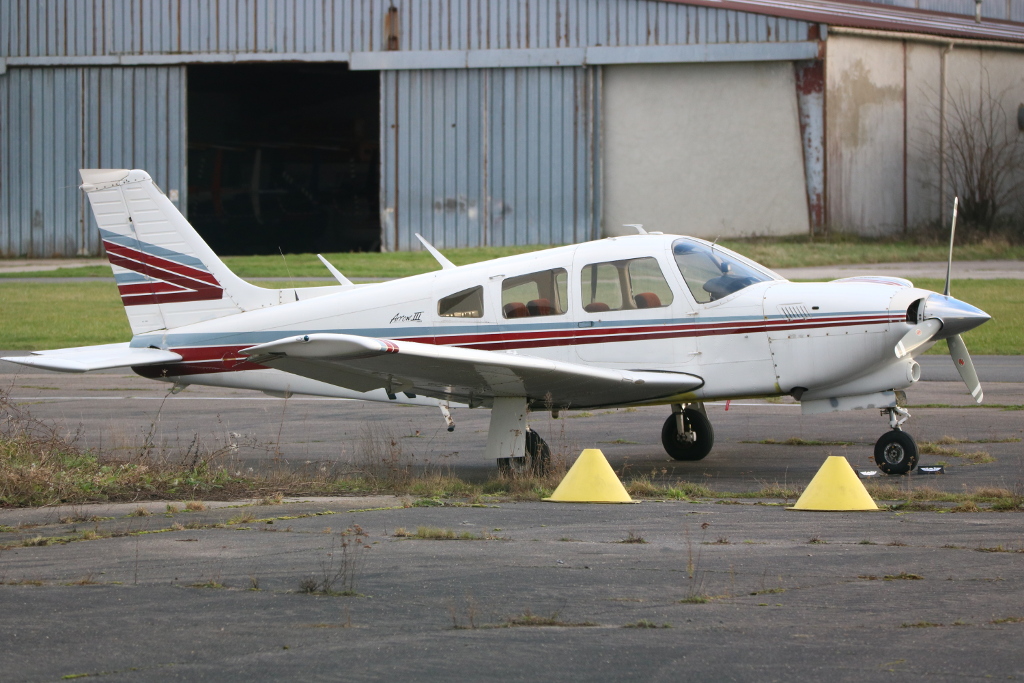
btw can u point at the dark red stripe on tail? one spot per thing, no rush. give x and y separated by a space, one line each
173 282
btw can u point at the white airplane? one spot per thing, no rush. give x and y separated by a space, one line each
646 319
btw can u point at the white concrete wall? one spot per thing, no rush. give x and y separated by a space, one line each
882 121
923 77
703 149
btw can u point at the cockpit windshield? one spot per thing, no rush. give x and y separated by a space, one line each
713 273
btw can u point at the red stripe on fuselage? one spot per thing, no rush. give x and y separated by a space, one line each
214 359
537 338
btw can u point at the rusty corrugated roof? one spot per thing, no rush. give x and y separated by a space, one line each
872 16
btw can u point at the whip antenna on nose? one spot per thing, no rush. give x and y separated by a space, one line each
952 232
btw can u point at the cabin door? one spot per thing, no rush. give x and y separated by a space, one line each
629 316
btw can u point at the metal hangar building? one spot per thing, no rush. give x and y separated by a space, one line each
329 125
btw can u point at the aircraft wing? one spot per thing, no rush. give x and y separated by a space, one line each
102 357
464 375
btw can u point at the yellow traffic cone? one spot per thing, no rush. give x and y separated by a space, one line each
835 487
590 480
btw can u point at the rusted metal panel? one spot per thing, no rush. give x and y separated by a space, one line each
488 157
55 121
810 93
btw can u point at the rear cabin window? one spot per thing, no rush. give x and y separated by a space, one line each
536 294
624 285
469 303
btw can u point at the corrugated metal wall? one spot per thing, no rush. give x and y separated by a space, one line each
40 144
132 27
519 166
514 24
54 121
474 157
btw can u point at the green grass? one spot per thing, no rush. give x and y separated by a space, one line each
528 618
796 252
43 315
392 264
366 264
69 271
789 252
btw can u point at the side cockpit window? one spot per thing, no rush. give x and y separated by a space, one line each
469 303
534 295
624 285
712 273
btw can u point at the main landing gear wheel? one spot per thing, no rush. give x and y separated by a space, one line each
536 460
695 439
538 454
896 452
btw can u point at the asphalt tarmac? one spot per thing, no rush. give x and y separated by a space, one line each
749 591
115 411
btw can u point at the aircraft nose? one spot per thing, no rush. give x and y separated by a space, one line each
957 316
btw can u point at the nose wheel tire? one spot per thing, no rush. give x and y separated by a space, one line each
702 436
896 452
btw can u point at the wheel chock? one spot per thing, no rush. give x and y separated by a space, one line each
590 480
835 488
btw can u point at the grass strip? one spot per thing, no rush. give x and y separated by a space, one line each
775 252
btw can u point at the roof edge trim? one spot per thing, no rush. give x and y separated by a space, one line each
865 15
930 39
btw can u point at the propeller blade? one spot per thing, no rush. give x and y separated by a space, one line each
952 233
964 365
918 336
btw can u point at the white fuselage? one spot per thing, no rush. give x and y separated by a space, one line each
770 338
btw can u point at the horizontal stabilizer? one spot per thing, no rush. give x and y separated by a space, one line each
470 376
102 357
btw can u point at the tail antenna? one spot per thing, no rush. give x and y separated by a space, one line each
952 232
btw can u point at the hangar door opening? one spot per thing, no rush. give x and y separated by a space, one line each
284 156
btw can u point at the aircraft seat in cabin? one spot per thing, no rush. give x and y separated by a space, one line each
647 300
515 309
540 307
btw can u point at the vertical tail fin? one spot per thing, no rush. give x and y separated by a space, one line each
166 274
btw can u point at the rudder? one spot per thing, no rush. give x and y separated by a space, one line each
166 273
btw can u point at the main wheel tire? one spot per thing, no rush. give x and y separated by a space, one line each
538 454
677 448
896 452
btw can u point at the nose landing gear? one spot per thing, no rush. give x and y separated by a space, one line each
896 451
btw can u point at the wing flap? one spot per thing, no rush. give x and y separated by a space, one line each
464 375
87 358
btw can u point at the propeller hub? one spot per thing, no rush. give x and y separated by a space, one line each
956 316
